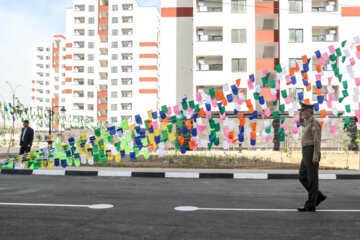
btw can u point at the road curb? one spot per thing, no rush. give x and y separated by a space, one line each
196 175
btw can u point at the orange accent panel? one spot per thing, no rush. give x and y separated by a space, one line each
68 91
267 36
148 44
68 79
68 56
149 67
69 45
33 98
266 64
56 66
102 106
68 68
103 20
103 33
266 7
148 56
56 49
102 118
33 89
55 100
56 58
266 92
103 8
148 79
59 36
33 81
350 11
177 12
102 94
145 91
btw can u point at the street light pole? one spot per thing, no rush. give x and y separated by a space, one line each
13 124
3 111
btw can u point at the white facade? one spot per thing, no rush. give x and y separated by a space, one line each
109 69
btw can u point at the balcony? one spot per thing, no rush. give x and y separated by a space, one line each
102 94
79 8
127 7
78 106
126 94
79 20
325 34
79 32
79 44
78 82
79 57
127 32
214 6
79 69
209 34
267 7
126 106
103 32
266 22
324 6
126 68
127 19
126 56
103 20
102 106
267 36
126 44
209 63
266 64
126 81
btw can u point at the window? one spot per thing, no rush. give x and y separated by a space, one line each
114 57
90 94
62 100
114 44
90 69
113 107
47 100
90 45
91 57
91 8
114 69
90 82
295 35
91 32
114 94
114 119
239 65
114 82
115 7
294 94
91 20
238 35
115 32
114 20
295 6
90 107
48 49
238 6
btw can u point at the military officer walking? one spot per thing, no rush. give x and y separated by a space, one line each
309 167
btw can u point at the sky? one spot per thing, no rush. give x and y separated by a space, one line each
24 23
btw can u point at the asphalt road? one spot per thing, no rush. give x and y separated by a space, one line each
144 209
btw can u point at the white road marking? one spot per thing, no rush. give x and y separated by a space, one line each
94 206
49 172
114 174
192 208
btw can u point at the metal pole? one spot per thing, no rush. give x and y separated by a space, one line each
50 138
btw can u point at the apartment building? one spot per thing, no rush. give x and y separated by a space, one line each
108 67
236 38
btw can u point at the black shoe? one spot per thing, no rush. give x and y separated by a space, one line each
320 200
306 209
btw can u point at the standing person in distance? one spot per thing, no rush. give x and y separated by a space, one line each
26 138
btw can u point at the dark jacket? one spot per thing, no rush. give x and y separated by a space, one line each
28 138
